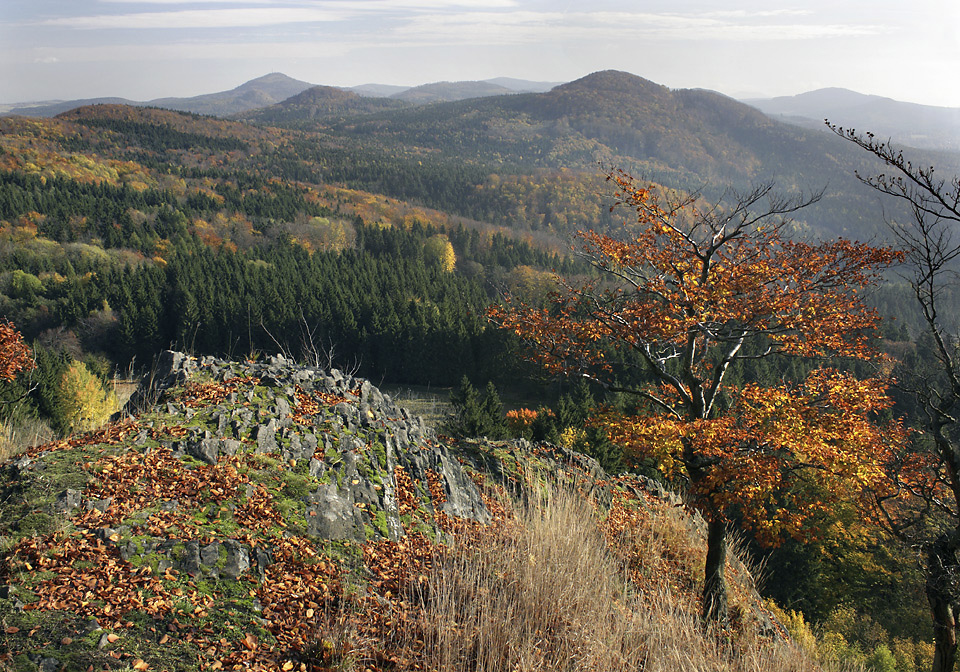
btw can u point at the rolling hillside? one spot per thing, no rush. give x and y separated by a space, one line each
922 126
693 140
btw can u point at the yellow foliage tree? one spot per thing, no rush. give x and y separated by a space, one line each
438 251
87 403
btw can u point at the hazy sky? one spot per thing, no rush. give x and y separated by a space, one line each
143 49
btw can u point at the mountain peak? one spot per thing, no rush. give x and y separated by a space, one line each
273 79
614 80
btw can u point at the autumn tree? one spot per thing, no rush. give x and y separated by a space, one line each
687 292
14 354
922 504
438 251
15 358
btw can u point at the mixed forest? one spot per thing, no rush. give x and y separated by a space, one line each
374 237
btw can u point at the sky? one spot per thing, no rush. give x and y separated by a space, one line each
908 50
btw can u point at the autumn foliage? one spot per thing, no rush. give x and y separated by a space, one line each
685 294
763 449
14 354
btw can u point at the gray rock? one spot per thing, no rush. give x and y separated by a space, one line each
332 510
263 558
238 559
205 450
266 437
189 562
210 555
229 446
48 665
100 505
331 514
239 428
463 499
223 421
21 466
67 501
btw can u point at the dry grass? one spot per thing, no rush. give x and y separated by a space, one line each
18 435
562 590
431 404
124 389
548 597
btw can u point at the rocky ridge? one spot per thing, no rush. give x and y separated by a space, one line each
234 506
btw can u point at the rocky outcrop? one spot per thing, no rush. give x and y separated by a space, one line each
341 430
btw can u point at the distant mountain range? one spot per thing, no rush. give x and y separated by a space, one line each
416 145
923 126
256 93
453 91
909 124
276 87
694 139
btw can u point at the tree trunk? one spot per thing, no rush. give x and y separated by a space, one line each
715 577
943 565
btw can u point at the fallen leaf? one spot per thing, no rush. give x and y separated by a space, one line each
12 630
138 664
112 638
287 666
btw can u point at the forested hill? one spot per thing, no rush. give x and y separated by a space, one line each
325 102
132 229
125 230
686 139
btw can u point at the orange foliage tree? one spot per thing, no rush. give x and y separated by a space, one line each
691 290
14 354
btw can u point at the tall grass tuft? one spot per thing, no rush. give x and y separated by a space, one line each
17 435
559 591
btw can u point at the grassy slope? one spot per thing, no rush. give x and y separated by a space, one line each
579 573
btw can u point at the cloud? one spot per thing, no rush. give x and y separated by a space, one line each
202 18
524 27
745 14
182 51
268 14
353 6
